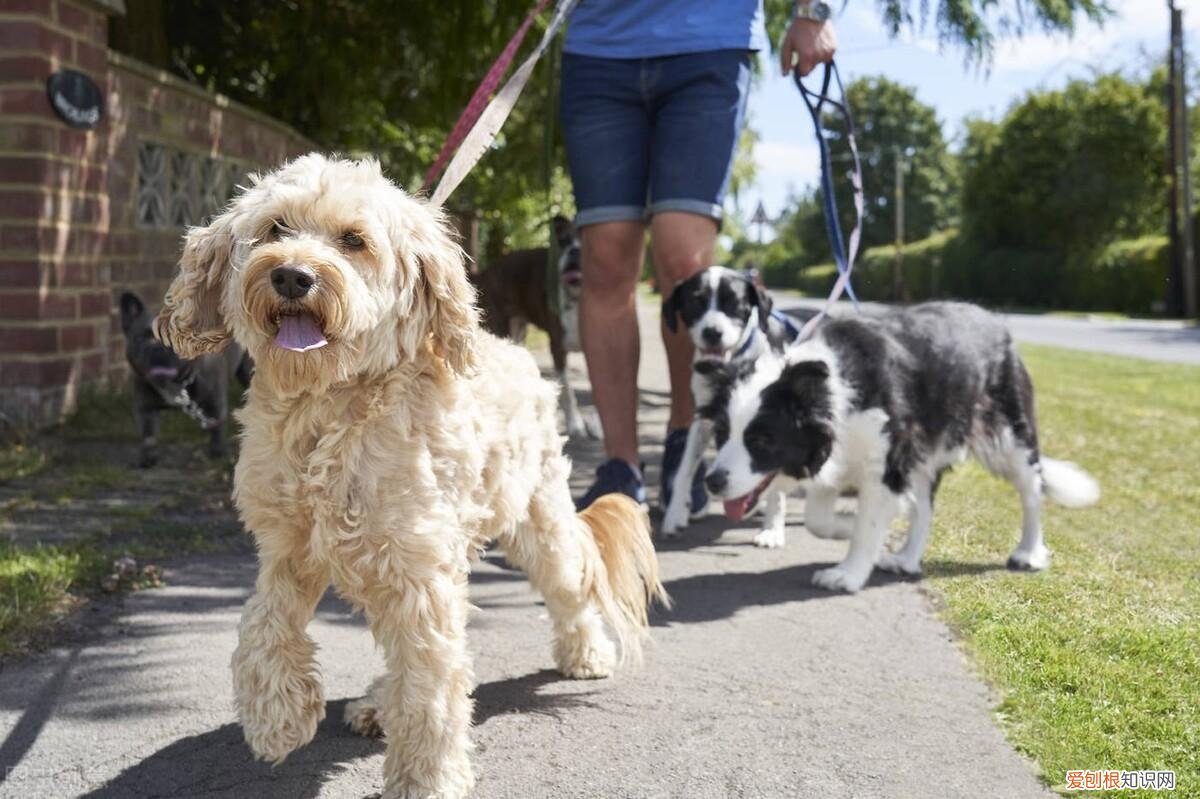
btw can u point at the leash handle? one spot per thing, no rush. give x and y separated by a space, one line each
843 256
488 122
470 115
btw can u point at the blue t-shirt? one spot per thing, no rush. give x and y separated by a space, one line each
648 28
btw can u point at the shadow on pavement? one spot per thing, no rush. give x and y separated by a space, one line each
218 763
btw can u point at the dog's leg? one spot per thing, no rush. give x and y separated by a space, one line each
821 517
279 698
774 533
576 428
424 704
1031 553
877 506
675 518
920 518
147 419
551 550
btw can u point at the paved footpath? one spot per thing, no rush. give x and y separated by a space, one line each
756 686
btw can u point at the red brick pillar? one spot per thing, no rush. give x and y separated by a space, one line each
55 294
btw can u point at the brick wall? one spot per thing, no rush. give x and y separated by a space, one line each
85 215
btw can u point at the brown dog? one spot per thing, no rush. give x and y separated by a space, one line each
514 293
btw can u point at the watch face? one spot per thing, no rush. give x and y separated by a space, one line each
821 12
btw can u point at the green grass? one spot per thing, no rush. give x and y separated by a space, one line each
39 584
1097 659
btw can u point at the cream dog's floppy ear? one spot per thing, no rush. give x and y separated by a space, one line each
190 322
448 295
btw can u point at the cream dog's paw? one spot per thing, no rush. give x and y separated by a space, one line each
586 657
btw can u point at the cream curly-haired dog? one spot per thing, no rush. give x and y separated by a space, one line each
386 439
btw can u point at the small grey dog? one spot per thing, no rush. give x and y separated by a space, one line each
162 380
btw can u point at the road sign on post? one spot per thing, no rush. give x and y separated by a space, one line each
760 218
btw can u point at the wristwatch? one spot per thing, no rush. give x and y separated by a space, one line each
818 11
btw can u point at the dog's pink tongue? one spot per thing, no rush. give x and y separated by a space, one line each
299 333
736 509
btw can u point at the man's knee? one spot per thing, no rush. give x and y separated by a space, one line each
612 260
683 245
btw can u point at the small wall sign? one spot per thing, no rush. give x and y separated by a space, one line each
75 98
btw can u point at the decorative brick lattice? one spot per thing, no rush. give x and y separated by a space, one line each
178 188
152 185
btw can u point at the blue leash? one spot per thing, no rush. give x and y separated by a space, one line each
843 257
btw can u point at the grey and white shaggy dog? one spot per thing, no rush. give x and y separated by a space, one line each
883 404
387 439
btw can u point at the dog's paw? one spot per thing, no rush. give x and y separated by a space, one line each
278 715
1029 561
362 716
838 578
771 538
892 562
591 424
674 520
586 657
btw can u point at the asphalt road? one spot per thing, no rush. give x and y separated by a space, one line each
756 686
1157 340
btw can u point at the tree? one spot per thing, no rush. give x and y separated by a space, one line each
1068 171
973 25
888 117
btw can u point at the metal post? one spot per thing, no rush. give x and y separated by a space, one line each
1181 285
899 293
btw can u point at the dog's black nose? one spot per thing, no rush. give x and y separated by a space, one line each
716 481
292 282
710 336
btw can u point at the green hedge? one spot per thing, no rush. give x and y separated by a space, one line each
1128 276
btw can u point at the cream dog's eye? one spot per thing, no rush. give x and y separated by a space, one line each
278 230
352 240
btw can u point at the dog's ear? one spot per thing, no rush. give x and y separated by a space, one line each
564 231
670 310
798 377
447 293
761 300
190 322
132 307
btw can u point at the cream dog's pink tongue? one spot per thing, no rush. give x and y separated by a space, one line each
300 333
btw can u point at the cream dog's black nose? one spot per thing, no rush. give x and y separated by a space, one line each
292 282
716 481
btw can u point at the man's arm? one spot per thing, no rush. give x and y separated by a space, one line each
808 42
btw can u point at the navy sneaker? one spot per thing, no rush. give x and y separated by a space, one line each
614 476
673 448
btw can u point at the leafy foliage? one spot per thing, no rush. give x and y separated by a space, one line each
972 25
889 118
1068 171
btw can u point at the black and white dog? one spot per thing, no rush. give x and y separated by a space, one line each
885 404
730 321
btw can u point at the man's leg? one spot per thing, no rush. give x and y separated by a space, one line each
683 245
612 261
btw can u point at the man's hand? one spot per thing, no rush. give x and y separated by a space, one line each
807 44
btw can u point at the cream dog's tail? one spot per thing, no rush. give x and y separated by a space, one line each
623 580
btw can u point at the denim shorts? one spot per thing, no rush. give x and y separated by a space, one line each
645 135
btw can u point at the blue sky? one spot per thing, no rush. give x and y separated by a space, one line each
787 155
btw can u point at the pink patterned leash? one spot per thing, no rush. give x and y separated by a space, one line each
481 121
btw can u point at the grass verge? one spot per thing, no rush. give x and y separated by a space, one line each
72 503
1097 660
